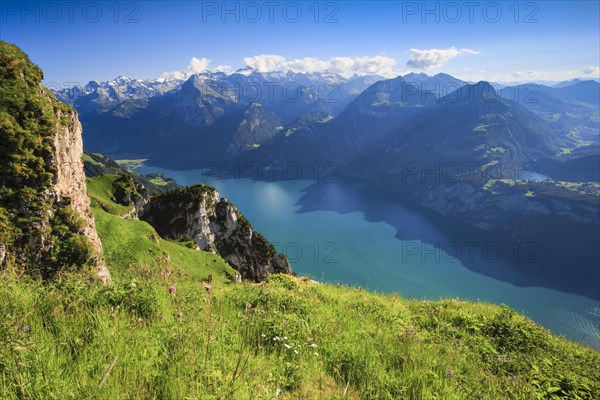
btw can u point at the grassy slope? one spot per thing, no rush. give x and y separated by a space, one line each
133 247
57 340
100 190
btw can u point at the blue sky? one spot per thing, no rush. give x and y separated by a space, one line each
545 40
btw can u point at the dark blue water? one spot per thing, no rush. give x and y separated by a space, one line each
325 237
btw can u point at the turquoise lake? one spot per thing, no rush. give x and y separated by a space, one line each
344 246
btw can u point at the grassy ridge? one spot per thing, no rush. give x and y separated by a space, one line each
288 339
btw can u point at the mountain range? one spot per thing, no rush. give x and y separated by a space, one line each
249 115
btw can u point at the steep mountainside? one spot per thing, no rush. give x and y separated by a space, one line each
573 109
216 225
384 107
445 157
45 218
471 125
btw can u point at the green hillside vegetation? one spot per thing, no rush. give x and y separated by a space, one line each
133 247
289 338
35 237
101 192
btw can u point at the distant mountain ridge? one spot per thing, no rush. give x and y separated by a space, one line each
246 85
251 116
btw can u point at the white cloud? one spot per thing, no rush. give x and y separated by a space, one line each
265 62
434 58
223 68
379 65
196 66
345 66
382 65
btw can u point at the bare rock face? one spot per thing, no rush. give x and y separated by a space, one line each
215 225
70 182
2 254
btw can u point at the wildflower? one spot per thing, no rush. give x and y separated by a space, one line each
208 288
285 338
263 335
512 377
25 328
313 345
450 372
172 289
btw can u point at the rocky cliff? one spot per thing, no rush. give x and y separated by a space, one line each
70 183
45 219
215 225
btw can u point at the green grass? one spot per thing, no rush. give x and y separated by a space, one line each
133 247
158 181
287 339
88 158
101 189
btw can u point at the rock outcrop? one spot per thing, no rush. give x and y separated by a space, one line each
2 254
215 225
128 192
70 183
